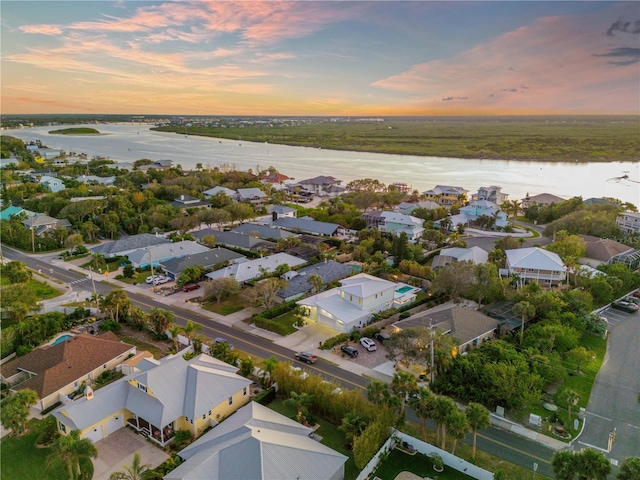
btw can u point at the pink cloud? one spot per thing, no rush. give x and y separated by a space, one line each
42 29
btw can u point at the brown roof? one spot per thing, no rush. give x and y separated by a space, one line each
603 248
138 357
463 323
59 365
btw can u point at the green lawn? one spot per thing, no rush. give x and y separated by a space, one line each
419 464
157 353
43 290
288 320
225 307
22 460
331 436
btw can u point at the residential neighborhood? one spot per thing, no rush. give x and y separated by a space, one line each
231 324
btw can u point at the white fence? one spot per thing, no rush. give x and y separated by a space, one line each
425 448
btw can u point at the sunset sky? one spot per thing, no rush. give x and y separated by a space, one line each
320 58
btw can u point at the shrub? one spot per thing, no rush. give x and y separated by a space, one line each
370 332
47 429
110 326
270 325
50 409
266 396
404 315
355 336
23 350
329 343
181 438
277 311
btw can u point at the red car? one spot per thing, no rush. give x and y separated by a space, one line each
636 294
190 286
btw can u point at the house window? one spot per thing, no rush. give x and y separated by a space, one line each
142 387
359 301
204 417
209 412
104 366
230 400
351 298
75 384
244 391
63 427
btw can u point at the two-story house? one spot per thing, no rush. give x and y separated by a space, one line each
629 222
160 397
351 305
323 186
492 194
534 265
470 213
253 196
446 195
398 223
51 183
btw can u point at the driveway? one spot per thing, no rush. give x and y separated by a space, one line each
117 450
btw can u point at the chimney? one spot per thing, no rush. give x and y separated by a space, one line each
88 392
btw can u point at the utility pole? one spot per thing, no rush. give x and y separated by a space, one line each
153 278
93 283
432 353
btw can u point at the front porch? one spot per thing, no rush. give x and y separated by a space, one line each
161 436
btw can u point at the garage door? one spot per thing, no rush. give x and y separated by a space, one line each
94 435
114 424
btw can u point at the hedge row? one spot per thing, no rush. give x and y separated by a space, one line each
266 396
276 311
270 325
51 408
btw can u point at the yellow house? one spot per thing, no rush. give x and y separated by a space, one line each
55 371
162 396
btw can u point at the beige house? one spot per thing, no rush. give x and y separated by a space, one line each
56 371
160 397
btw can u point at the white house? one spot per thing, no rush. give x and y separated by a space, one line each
629 222
535 265
492 194
449 255
53 184
351 305
323 186
243 271
212 192
398 223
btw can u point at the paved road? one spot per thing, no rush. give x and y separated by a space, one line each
498 442
614 398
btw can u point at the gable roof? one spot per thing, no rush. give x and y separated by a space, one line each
262 231
206 259
401 219
535 258
244 271
329 271
59 365
175 388
224 190
603 249
260 444
234 239
12 210
407 207
474 254
128 244
464 324
364 285
40 220
166 251
309 226
249 193
320 180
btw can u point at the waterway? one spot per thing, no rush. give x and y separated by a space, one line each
130 142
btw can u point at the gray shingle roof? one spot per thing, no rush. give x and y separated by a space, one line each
262 231
128 244
234 239
205 259
329 271
308 226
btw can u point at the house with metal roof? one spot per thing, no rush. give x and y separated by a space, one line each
280 211
323 186
188 201
253 196
96 179
41 223
351 305
250 269
58 370
157 165
209 259
51 183
12 211
235 240
259 444
446 195
534 265
493 194
398 223
212 192
126 245
262 231
298 280
304 225
158 254
450 255
159 398
407 208
469 327
470 213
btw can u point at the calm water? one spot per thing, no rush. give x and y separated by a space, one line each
130 142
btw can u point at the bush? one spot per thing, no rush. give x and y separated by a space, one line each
355 336
47 429
50 409
181 438
277 311
404 315
370 332
110 326
270 325
23 350
329 343
266 396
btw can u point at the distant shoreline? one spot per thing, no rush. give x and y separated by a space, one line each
75 131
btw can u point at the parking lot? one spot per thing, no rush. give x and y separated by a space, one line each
365 358
615 317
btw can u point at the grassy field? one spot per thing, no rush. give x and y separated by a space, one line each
554 139
225 307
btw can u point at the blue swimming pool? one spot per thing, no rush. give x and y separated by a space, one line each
61 339
404 289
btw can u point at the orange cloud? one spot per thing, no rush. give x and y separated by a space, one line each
42 29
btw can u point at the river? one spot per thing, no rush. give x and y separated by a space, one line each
130 142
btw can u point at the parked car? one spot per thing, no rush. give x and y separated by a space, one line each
351 351
632 299
369 344
381 336
161 279
151 278
625 306
223 340
636 294
190 287
306 357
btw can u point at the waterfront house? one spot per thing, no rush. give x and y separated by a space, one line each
51 183
275 180
629 222
323 186
470 214
534 265
244 271
492 194
603 251
351 305
215 257
253 196
157 165
447 256
541 199
212 192
159 398
55 371
126 245
260 444
446 195
469 327
407 208
157 254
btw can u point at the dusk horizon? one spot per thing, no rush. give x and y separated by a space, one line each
386 59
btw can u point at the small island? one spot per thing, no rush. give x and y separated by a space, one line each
75 131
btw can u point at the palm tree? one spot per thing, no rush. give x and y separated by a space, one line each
269 366
478 417
403 384
457 426
593 465
564 464
629 469
316 282
135 471
526 310
69 450
190 328
160 320
442 407
300 401
15 410
375 392
115 303
353 425
422 404
174 332
572 398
